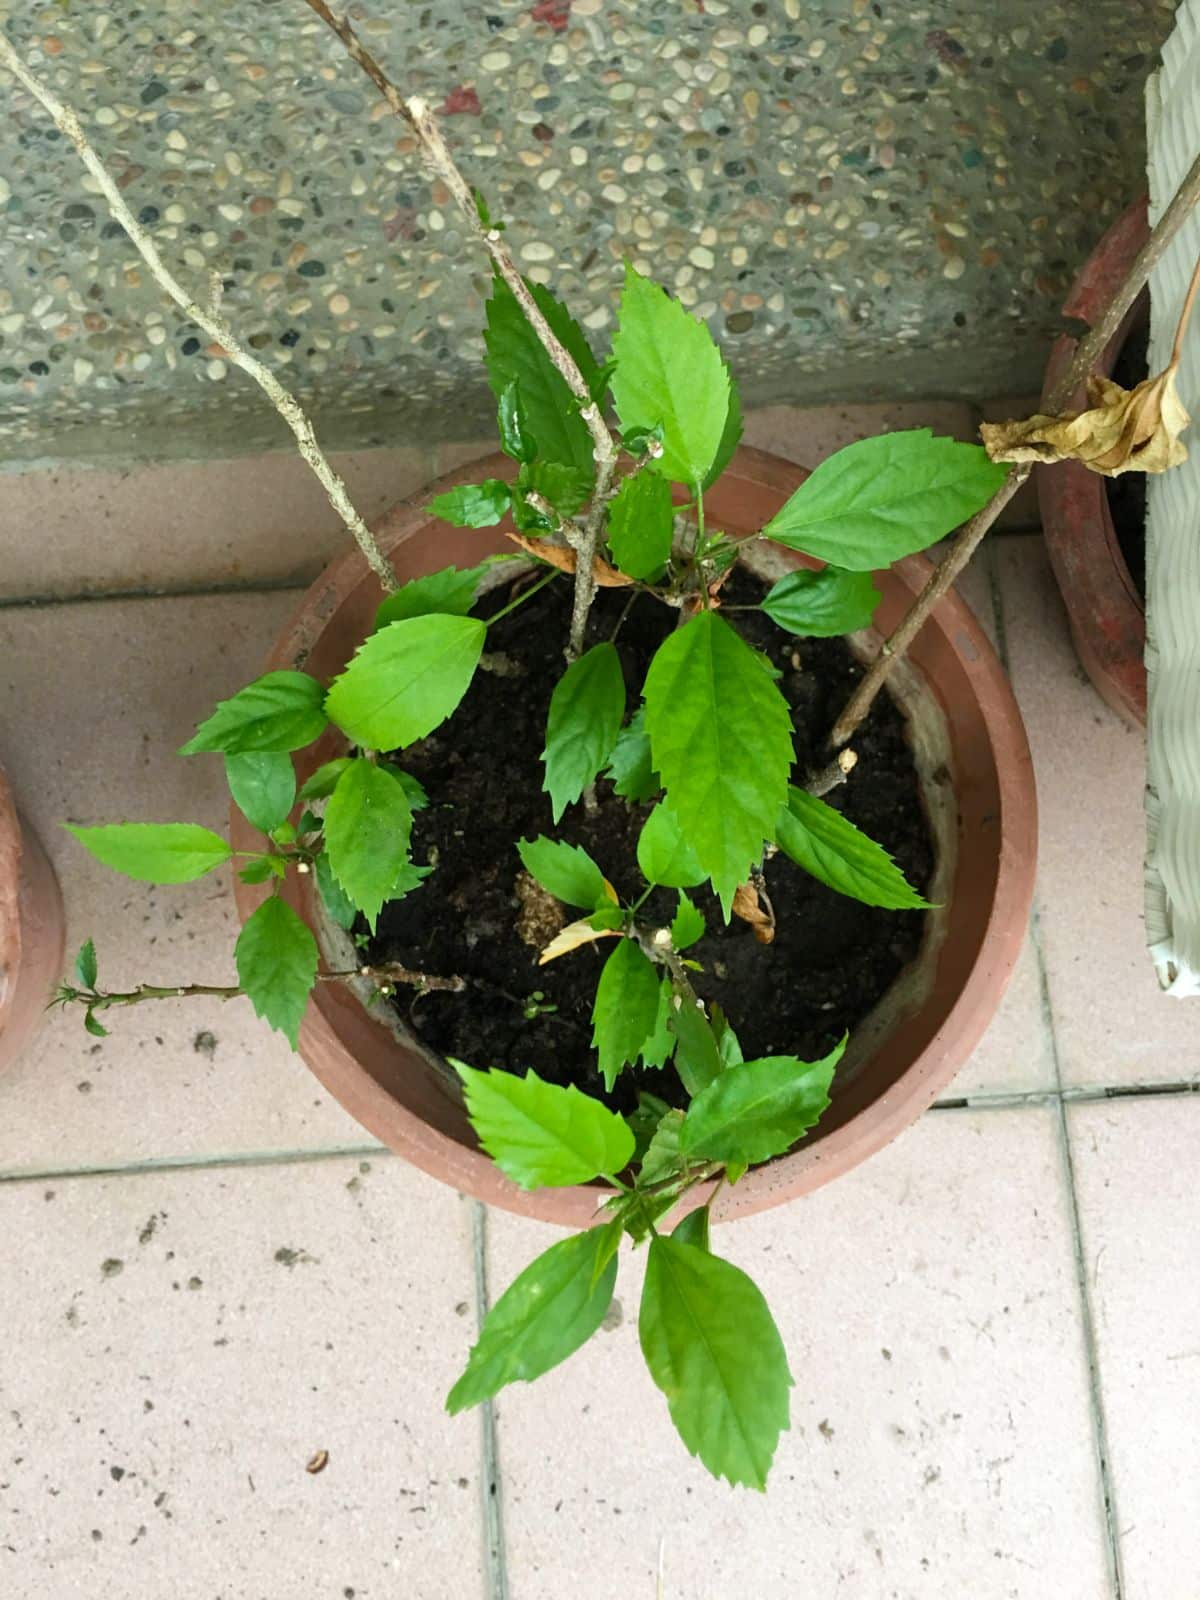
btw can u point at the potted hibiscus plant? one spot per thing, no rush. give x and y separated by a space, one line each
694 789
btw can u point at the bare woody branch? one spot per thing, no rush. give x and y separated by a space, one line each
1089 351
420 119
208 317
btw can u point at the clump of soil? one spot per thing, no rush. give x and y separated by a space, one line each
832 958
1127 494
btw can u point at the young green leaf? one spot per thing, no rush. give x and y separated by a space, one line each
86 970
720 736
822 605
263 786
641 525
565 871
586 709
368 824
728 1047
543 1317
663 1158
697 1058
155 852
607 1245
664 854
644 1121
263 867
630 767
276 960
515 353
280 711
639 1211
660 1046
626 1008
473 505
687 925
93 1025
880 499
325 779
334 898
828 845
451 591
515 439
541 1135
713 1349
759 1109
413 788
693 1229
669 371
406 679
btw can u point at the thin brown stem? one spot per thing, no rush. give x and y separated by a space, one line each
969 537
385 974
1185 315
209 317
584 537
831 776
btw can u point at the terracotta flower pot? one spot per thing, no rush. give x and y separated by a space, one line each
31 930
1106 612
978 783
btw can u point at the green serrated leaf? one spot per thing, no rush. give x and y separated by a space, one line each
263 786
325 779
639 1211
759 1109
663 1158
637 441
86 970
155 852
279 711
641 525
264 867
565 871
630 767
728 1047
451 592
515 353
880 499
515 439
693 1229
697 1058
586 710
368 824
276 958
731 435
660 1046
720 737
669 371
645 1120
406 679
93 1026
473 505
687 925
625 1010
713 1349
822 605
833 850
413 788
664 855
541 1135
607 916
608 1244
543 1317
334 898
565 487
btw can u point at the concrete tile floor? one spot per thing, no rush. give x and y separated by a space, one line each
994 1383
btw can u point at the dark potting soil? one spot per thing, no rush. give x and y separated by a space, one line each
1127 494
832 958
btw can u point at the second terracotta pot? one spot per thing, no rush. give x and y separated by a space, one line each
31 930
977 780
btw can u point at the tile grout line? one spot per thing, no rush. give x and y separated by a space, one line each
154 1164
491 1504
197 591
1086 1312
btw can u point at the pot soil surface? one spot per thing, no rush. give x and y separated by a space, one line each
832 958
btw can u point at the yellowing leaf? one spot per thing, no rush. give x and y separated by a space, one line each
1123 430
572 936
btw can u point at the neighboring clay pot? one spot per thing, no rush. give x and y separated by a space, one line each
1106 612
31 930
977 779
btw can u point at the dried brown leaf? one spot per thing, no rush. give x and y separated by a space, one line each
748 906
318 1463
1123 430
564 559
572 936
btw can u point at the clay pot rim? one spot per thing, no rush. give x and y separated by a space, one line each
1107 615
434 1150
32 929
